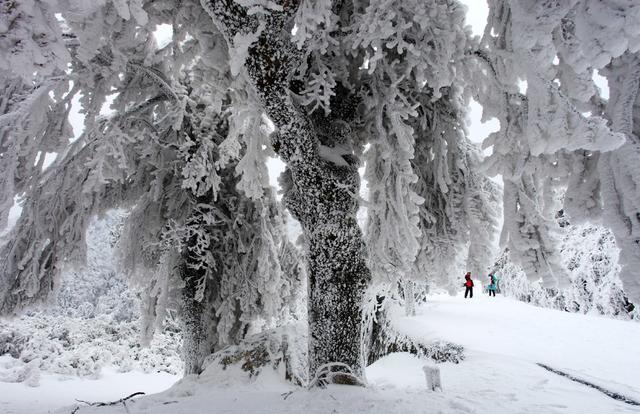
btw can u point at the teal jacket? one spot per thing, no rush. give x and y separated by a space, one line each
492 285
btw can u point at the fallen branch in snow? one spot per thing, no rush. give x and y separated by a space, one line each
608 393
386 339
335 373
104 404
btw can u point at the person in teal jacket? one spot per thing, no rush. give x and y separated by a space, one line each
493 285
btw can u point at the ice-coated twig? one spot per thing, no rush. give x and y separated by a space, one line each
326 375
104 404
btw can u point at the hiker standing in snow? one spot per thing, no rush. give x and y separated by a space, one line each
468 284
492 285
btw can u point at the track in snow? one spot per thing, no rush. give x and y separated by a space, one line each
609 393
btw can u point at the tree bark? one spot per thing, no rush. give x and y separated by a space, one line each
192 330
321 195
409 298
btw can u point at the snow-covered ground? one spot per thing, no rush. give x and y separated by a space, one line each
57 391
591 347
503 340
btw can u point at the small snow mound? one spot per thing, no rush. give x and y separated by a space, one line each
275 354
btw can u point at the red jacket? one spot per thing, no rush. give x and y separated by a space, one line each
468 282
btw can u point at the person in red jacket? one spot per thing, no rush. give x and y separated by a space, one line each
468 284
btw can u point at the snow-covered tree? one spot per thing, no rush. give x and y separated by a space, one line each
184 148
182 155
556 47
590 255
333 76
321 181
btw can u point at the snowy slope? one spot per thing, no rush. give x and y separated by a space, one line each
503 339
586 345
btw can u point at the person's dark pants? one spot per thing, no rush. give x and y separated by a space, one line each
469 291
492 292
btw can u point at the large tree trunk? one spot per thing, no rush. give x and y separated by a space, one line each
338 277
193 339
409 298
320 194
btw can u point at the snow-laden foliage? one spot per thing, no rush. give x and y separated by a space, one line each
94 322
184 146
407 68
31 40
570 137
459 219
620 170
180 148
591 256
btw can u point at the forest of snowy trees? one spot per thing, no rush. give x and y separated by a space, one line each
590 256
176 132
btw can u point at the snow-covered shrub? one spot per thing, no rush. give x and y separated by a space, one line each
89 293
94 322
443 351
14 370
94 288
438 351
82 346
11 343
590 255
283 350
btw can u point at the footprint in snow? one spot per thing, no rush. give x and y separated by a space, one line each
461 407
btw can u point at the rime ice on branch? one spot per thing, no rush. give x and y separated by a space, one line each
178 152
556 47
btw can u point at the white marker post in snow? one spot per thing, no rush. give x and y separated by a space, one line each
432 374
